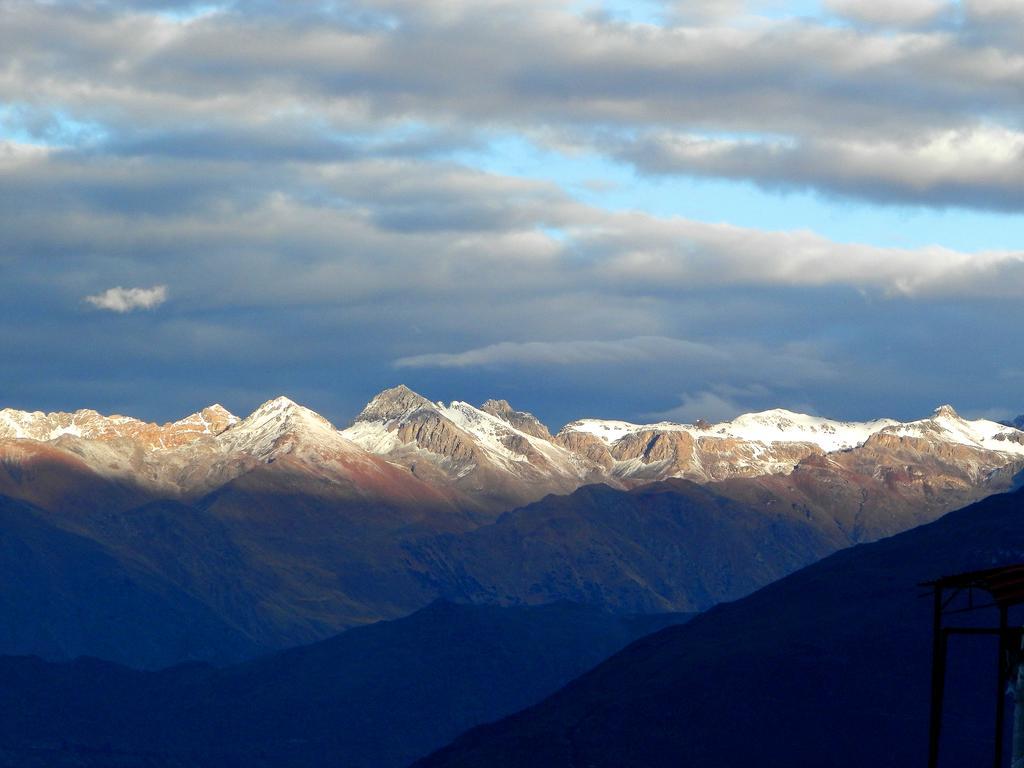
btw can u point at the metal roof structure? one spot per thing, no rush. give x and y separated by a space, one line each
1005 585
1004 588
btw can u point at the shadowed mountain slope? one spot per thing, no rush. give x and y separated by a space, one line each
676 545
272 561
60 593
376 696
669 546
829 666
256 567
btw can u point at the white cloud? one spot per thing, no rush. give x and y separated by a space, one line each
705 405
12 152
123 300
781 365
447 234
647 253
1005 10
976 166
894 12
635 350
266 82
703 11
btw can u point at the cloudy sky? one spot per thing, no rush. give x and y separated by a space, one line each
636 209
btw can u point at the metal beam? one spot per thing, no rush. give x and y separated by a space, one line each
997 760
939 640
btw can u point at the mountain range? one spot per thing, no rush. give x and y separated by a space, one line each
261 533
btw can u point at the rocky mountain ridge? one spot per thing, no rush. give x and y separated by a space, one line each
191 457
90 425
494 457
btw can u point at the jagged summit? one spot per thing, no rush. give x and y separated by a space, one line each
499 455
499 408
945 411
521 420
393 403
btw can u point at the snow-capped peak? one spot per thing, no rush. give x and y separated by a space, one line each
283 412
399 421
279 403
281 424
947 425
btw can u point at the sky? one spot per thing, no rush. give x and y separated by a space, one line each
641 209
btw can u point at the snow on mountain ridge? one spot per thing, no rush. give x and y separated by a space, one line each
280 425
91 425
498 436
776 441
947 425
782 426
767 427
379 429
374 429
493 451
